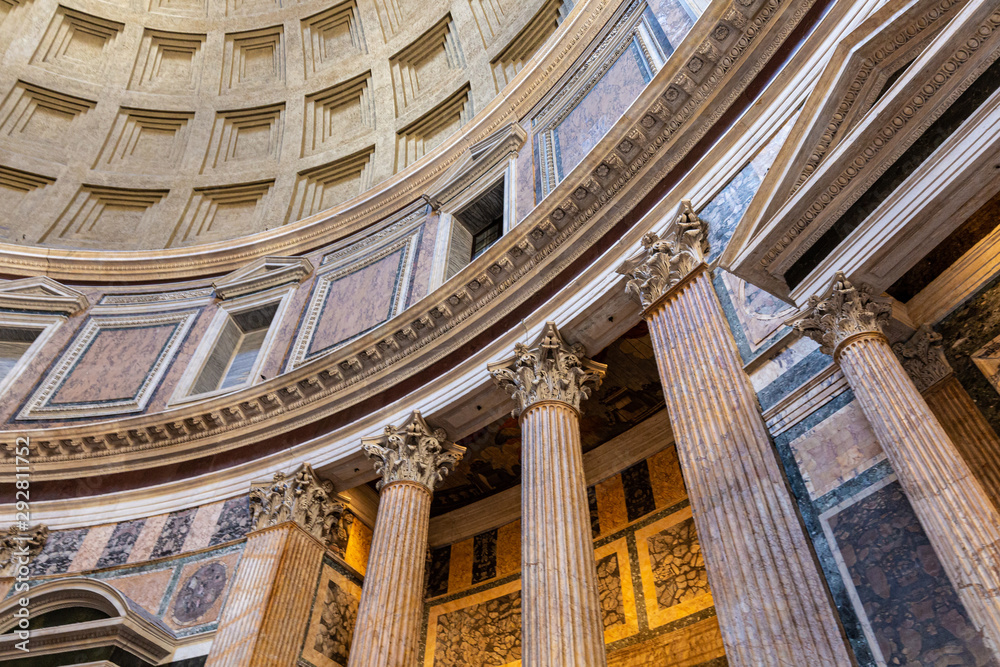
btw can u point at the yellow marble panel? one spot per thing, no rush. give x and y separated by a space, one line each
435 612
509 549
665 478
460 566
309 651
359 544
658 615
631 624
611 511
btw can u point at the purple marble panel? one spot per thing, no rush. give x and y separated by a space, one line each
120 544
58 552
174 532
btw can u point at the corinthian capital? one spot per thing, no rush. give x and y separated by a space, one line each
664 262
303 498
550 370
923 358
847 310
16 544
413 452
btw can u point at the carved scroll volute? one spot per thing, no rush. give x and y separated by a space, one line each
844 312
549 370
303 497
413 452
664 262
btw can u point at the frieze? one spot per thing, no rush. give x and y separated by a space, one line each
337 373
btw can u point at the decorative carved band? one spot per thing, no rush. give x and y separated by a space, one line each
664 262
19 546
304 498
413 452
845 312
550 370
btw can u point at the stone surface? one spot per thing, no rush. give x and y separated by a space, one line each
412 452
304 498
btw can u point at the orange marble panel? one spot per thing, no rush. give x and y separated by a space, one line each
144 544
509 549
665 478
115 365
460 566
630 625
611 510
359 544
203 526
691 645
92 547
146 589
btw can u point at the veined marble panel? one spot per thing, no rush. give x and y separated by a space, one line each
112 367
331 626
335 315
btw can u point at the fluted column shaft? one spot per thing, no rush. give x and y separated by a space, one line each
270 600
387 633
954 510
560 607
771 601
975 439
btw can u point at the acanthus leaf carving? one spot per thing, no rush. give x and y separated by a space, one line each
845 311
664 262
412 452
302 497
923 358
17 543
549 370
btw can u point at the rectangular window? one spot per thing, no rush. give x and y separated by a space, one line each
477 226
236 350
14 343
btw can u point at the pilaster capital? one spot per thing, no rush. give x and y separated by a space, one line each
413 452
303 497
17 543
664 262
549 370
923 358
844 312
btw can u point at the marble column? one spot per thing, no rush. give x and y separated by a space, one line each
977 442
957 515
771 600
294 520
561 622
411 459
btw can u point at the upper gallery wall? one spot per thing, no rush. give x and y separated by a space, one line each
153 124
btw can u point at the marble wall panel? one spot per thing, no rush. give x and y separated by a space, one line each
480 629
174 533
201 591
147 589
334 613
234 521
117 548
59 550
359 545
911 608
756 318
674 17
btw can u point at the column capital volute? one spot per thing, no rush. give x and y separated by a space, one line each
922 356
549 370
665 261
412 452
844 312
303 497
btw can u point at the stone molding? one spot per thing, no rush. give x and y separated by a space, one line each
412 452
844 312
302 497
16 542
549 370
664 262
214 426
42 295
263 274
923 358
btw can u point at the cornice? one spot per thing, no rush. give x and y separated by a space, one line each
538 247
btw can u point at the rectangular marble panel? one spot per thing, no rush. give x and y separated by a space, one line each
331 626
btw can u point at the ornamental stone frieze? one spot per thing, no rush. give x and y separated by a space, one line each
303 497
16 544
664 262
845 312
923 358
549 370
413 452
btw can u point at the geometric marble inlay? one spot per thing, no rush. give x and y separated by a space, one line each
113 366
334 314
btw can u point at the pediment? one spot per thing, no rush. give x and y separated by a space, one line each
263 274
482 156
41 294
858 83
